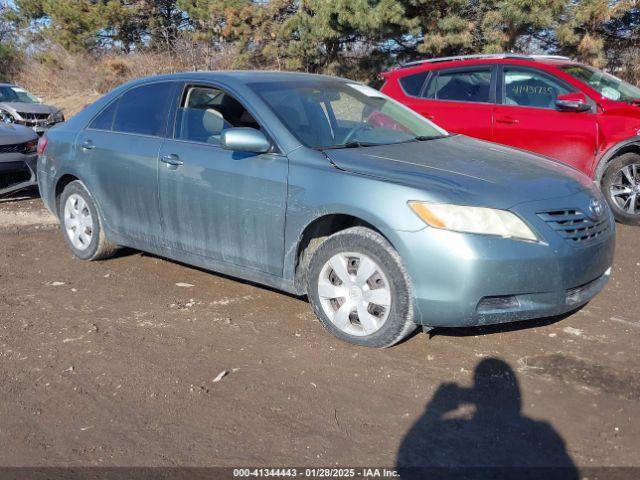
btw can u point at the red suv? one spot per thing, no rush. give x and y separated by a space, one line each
550 105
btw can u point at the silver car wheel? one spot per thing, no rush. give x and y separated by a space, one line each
355 293
78 222
625 189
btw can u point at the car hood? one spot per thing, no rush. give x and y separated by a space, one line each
465 171
14 107
11 134
620 108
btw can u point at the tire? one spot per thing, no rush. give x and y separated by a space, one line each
78 212
341 303
618 178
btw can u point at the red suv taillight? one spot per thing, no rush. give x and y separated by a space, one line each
42 145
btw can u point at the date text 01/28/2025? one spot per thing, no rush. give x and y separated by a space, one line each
315 472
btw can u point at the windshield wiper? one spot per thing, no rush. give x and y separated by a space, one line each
358 144
353 144
425 138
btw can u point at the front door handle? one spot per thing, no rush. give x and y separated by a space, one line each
172 160
507 120
429 116
88 145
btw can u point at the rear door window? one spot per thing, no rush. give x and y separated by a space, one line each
143 110
461 85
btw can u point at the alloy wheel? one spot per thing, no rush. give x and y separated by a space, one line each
625 189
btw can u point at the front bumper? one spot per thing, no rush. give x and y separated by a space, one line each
18 162
468 280
15 163
38 127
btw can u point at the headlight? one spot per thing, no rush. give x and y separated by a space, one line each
58 117
31 147
6 117
484 221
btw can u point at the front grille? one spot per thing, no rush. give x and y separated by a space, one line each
35 119
34 116
16 148
574 226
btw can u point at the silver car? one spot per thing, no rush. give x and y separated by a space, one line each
19 106
18 156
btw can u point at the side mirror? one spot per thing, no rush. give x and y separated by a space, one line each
572 102
244 139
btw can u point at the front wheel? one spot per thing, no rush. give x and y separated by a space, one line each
360 290
621 186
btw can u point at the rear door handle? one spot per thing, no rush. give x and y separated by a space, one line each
507 120
172 160
428 115
88 145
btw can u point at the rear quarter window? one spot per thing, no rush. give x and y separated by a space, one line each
412 84
104 120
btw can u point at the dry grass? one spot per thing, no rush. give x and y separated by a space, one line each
70 81
71 104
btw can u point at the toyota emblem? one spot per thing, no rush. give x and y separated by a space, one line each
595 208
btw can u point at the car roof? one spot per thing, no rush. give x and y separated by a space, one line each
480 59
243 76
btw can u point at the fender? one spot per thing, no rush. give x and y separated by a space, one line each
295 239
628 145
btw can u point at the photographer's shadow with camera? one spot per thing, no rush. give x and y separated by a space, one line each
480 432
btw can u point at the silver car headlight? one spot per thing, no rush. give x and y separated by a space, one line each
480 220
6 117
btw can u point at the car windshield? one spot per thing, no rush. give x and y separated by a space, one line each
16 94
607 85
335 114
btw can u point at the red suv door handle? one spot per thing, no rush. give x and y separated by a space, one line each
507 119
428 115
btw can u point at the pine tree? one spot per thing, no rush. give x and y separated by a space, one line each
587 24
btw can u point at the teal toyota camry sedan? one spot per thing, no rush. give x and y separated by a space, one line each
324 187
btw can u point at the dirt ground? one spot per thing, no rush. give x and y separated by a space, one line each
115 362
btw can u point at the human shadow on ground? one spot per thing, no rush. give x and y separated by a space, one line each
481 433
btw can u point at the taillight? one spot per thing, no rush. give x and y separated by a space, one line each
42 144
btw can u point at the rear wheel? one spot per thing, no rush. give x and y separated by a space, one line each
621 186
359 289
80 224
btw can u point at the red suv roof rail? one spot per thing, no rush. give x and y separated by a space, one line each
481 56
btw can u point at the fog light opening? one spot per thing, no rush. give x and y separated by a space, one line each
503 302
